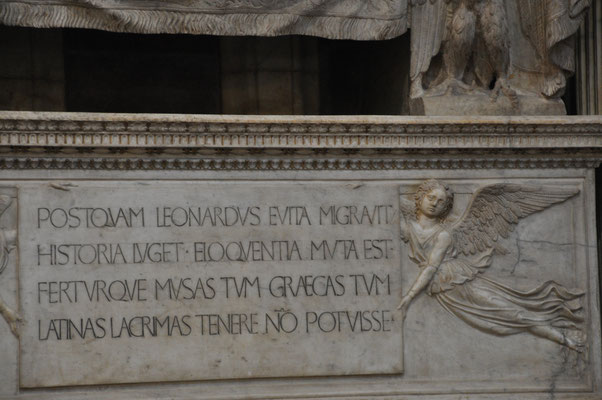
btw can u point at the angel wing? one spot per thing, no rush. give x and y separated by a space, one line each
408 212
495 209
407 208
4 204
428 25
3 251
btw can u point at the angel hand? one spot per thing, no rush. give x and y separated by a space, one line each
404 304
14 320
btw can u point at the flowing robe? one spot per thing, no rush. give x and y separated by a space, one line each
487 305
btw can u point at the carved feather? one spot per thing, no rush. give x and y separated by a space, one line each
408 209
4 204
495 209
3 251
408 212
428 24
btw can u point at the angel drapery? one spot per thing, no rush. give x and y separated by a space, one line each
458 283
490 306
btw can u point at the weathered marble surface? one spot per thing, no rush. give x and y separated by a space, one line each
64 158
219 280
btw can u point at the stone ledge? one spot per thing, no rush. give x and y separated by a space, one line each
32 140
33 129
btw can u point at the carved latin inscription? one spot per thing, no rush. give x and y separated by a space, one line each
171 282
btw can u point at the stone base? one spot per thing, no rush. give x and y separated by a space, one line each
482 104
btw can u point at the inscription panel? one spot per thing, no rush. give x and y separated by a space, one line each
140 282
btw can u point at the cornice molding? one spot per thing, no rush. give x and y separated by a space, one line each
291 164
186 142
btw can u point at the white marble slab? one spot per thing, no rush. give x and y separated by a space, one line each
52 161
156 282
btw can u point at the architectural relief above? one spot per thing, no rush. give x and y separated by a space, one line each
468 57
453 256
335 19
477 50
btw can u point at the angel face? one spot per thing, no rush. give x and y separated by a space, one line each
434 199
434 203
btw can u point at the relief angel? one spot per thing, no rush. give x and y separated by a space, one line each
8 239
453 254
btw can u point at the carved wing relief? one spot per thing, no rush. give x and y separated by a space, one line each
408 213
7 239
494 210
5 202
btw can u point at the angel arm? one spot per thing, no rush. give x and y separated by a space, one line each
436 255
11 317
405 234
6 312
